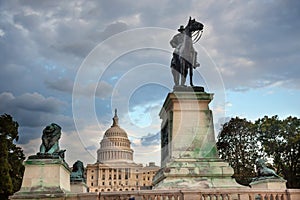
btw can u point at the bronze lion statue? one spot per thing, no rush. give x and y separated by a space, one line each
77 171
263 172
50 138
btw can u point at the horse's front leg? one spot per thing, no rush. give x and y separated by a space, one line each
183 74
175 76
183 79
191 75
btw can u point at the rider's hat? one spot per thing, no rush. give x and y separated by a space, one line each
181 28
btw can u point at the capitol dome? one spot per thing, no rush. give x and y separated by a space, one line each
115 145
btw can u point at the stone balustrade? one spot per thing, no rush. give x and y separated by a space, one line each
203 194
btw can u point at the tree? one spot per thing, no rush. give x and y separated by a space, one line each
280 140
237 144
11 157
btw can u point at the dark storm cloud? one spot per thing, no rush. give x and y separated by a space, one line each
49 32
101 90
63 85
151 139
43 44
256 43
253 41
33 111
79 38
30 102
32 126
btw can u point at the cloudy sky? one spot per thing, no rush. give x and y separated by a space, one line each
74 62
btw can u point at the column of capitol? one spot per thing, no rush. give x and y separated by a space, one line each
115 169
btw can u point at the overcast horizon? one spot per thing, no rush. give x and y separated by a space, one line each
74 62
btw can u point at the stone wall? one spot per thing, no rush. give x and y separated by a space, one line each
240 194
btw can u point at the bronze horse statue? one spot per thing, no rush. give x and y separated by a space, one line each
184 56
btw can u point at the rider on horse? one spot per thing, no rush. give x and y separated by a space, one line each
176 43
184 56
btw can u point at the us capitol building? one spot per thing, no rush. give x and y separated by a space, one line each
115 169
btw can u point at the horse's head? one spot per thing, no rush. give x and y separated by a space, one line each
193 25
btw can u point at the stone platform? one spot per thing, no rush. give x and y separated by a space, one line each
269 183
195 174
78 187
44 178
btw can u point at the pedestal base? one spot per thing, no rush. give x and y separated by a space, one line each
189 156
78 187
44 177
271 184
195 174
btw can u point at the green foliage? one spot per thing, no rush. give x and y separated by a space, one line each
11 157
241 142
6 185
280 140
237 144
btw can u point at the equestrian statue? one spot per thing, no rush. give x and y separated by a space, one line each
184 56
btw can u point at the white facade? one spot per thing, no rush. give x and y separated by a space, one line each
115 169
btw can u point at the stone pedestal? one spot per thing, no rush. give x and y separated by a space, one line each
269 184
189 157
78 187
44 178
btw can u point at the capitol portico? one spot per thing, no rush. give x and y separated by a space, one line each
115 169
